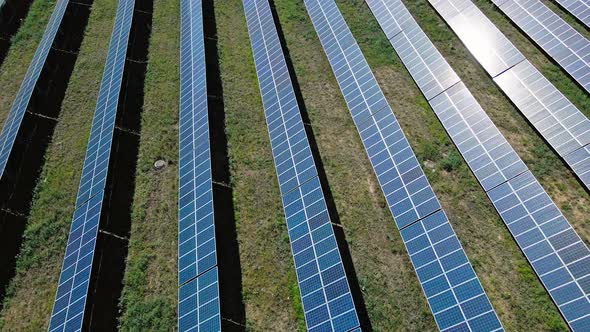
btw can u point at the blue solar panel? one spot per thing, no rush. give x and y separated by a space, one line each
17 112
70 303
560 123
496 165
453 291
327 301
563 43
579 8
198 302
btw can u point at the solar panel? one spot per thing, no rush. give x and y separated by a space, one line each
324 289
453 291
19 107
72 291
579 8
520 200
560 123
198 295
563 43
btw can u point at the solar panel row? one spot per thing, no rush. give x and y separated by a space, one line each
542 232
327 301
198 278
453 291
17 112
579 8
72 291
562 125
562 42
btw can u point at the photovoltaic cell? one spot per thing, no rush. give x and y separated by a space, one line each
579 8
327 301
70 300
522 203
198 295
19 107
453 291
562 125
557 38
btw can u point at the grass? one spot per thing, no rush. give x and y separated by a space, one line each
31 292
150 284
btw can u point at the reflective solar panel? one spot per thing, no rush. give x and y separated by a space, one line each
70 302
19 107
489 46
493 161
563 43
198 301
325 293
560 123
453 291
579 8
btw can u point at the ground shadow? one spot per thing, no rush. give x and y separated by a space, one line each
230 272
12 14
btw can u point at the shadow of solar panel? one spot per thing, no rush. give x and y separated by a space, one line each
579 8
19 107
70 303
563 43
457 302
198 302
325 293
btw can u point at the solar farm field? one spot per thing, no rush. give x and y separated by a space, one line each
246 76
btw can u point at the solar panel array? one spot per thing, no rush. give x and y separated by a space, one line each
562 42
579 8
17 112
454 293
562 125
72 291
198 277
327 301
549 242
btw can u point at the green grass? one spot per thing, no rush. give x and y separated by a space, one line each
149 295
31 292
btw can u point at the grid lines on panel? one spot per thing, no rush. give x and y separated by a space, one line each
198 296
563 43
19 107
490 157
325 293
560 123
70 302
579 8
429 237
